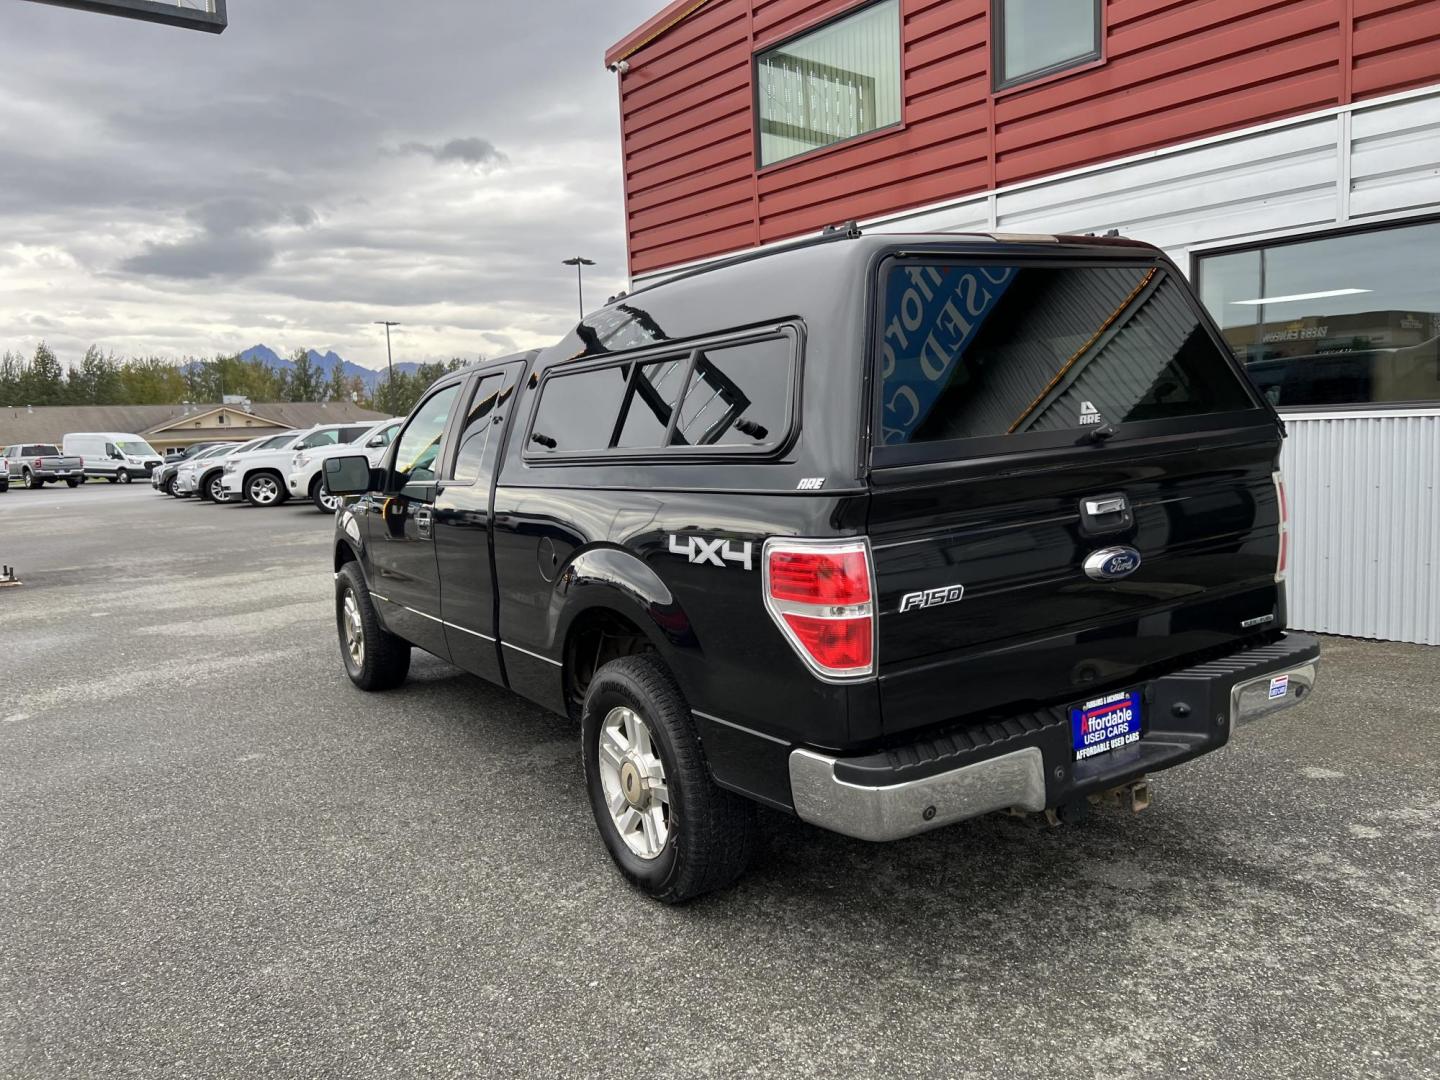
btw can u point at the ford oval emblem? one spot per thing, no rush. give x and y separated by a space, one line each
1112 563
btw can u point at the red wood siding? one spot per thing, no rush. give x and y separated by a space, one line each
1173 70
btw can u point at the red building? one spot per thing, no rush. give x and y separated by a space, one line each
1285 153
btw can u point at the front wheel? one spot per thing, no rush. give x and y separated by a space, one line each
123 476
321 497
375 659
215 489
263 489
168 487
671 830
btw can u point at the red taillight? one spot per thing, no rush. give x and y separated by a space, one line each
819 577
1282 559
39 462
82 462
820 594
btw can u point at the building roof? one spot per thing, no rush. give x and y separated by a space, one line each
51 423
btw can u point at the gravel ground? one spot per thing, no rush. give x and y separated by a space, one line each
218 859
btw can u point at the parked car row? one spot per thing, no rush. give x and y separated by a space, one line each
115 456
273 469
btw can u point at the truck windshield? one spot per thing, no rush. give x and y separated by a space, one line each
995 350
137 449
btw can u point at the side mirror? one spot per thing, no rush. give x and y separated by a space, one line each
377 440
348 475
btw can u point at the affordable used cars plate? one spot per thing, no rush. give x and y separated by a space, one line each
1105 723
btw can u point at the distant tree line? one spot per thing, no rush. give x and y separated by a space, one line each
105 379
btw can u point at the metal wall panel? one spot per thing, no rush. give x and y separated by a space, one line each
1395 157
1365 525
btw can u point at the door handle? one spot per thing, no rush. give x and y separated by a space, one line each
424 515
1096 507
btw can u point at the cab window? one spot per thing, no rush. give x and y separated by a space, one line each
481 429
419 444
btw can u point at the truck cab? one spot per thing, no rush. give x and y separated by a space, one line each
886 532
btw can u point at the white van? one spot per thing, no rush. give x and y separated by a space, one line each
118 456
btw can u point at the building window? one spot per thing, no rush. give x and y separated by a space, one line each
1040 37
830 84
1352 319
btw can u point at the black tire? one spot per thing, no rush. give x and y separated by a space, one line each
168 487
318 495
212 489
109 479
72 483
83 478
123 476
264 489
711 832
384 659
30 481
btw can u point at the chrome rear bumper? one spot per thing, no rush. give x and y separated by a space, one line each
1044 775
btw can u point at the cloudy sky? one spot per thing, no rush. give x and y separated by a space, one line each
321 164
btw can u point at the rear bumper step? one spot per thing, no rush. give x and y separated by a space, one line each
1028 762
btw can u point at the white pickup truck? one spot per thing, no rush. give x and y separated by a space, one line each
306 478
259 476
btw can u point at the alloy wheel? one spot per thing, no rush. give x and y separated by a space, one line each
633 779
354 630
264 490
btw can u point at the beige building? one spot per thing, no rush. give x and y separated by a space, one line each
168 427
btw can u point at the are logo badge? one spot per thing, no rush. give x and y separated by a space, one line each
1112 563
717 552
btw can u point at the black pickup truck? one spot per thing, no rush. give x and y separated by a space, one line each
883 531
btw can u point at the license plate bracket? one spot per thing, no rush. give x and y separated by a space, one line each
1105 723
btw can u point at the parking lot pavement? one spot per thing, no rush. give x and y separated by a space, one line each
218 859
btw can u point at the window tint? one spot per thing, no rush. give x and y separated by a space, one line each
651 400
974 351
45 450
1344 320
577 412
272 443
830 84
1038 37
328 437
386 435
420 443
480 428
739 395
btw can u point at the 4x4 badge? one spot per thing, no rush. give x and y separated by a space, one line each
716 552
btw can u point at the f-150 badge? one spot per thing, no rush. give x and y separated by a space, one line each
716 552
928 598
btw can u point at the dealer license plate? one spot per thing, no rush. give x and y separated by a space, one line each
1105 724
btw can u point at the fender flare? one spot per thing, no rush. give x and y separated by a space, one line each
613 579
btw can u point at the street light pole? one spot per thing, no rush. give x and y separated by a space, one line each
389 362
578 261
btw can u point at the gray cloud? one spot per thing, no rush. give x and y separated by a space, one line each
169 191
468 151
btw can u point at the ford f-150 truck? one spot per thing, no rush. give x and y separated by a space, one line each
883 531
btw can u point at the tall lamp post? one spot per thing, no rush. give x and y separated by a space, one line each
389 362
579 261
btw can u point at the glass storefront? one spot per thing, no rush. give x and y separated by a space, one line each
1352 319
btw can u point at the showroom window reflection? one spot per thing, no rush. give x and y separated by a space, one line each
1343 320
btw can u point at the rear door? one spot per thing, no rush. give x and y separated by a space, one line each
1073 485
464 509
401 547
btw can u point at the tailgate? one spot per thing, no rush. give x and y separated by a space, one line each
1023 560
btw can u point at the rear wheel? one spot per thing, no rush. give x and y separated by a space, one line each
321 497
375 659
31 480
670 829
263 489
72 483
